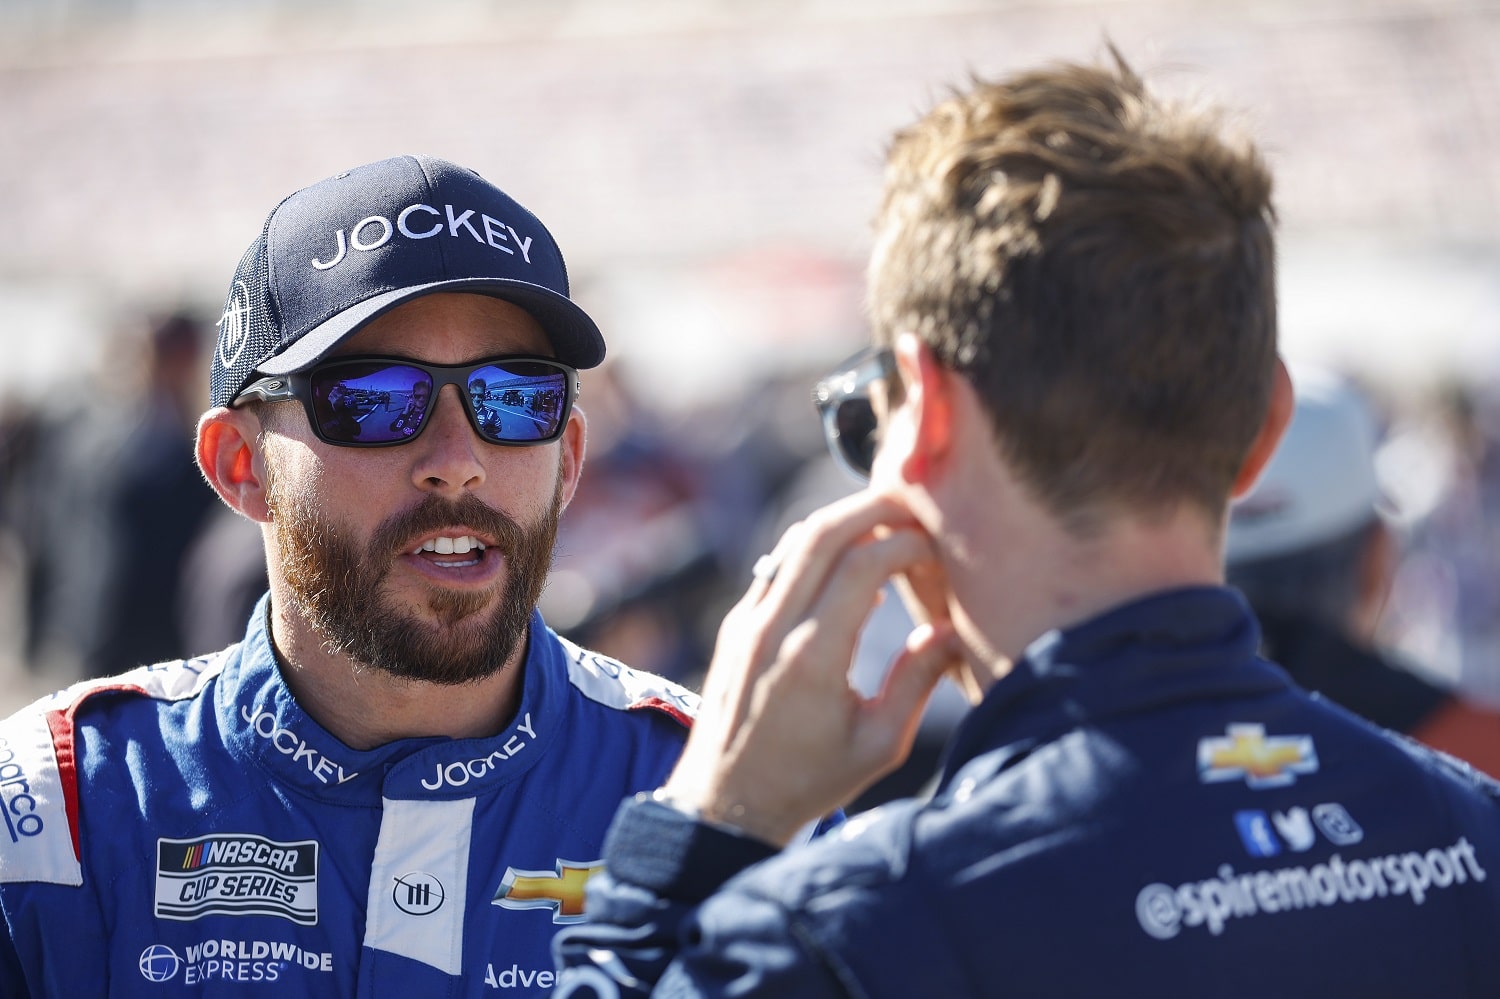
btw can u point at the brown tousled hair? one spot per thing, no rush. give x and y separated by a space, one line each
1099 264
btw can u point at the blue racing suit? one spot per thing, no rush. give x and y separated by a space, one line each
187 830
1141 807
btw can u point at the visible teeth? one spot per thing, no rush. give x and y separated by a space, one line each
451 546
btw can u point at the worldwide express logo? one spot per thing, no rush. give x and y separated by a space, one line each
237 874
560 889
231 961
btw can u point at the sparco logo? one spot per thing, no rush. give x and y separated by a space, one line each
460 773
20 806
425 222
234 325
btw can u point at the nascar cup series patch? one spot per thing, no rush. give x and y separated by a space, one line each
237 874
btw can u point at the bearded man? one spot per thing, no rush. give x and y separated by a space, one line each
399 781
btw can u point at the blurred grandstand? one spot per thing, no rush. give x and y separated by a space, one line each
709 167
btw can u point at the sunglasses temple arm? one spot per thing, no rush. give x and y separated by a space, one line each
267 390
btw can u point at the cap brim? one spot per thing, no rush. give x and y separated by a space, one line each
575 337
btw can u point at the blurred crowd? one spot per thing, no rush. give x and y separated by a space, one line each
114 552
102 507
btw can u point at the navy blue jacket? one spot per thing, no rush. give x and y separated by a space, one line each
1141 807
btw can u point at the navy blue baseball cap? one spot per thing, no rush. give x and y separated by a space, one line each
334 256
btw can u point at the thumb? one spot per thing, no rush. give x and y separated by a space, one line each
897 709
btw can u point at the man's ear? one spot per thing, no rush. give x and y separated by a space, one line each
1278 415
231 461
926 429
574 440
1379 558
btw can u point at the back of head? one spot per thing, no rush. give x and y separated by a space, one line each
1099 264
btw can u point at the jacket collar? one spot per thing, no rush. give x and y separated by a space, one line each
1174 645
263 722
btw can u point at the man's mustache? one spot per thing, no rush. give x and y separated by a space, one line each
398 533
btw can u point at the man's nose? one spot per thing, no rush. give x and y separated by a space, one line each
449 453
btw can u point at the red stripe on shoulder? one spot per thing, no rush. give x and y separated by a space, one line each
64 747
665 707
60 723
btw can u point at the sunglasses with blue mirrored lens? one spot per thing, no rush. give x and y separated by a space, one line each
849 420
379 401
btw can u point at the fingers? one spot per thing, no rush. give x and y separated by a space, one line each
784 736
829 571
810 549
793 581
762 574
923 591
894 713
856 580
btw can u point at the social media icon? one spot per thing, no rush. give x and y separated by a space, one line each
1296 828
1337 824
1255 832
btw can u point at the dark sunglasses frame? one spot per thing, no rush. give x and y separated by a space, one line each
285 388
843 401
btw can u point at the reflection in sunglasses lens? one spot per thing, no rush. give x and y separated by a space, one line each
519 401
855 419
371 403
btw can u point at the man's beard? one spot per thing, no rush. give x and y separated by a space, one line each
337 588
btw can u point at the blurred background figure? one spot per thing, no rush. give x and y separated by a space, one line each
105 503
636 566
1446 605
1314 550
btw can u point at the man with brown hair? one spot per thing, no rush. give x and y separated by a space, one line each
1074 370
